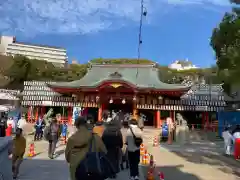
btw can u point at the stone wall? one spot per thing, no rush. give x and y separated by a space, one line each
6 163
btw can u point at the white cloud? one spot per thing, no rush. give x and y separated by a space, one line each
79 16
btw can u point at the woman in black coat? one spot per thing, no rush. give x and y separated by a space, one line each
113 140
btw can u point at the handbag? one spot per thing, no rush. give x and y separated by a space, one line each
137 140
94 165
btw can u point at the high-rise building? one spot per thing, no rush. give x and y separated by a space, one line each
55 55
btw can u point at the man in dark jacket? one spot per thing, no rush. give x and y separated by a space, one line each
113 140
54 134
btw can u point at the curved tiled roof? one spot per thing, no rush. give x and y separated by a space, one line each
141 76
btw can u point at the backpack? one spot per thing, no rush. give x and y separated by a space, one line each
95 165
137 140
46 133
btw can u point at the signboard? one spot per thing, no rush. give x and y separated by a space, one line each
201 108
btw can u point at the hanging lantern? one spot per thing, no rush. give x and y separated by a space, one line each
123 101
97 98
134 98
111 101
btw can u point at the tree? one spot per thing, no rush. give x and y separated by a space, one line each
25 69
20 69
225 41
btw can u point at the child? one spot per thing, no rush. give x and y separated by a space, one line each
64 131
19 146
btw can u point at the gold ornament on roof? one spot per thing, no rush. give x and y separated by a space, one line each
115 85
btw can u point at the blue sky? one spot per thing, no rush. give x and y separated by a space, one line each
173 29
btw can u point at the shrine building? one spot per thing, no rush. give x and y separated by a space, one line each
132 88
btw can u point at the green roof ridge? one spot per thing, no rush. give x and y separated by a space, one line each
140 75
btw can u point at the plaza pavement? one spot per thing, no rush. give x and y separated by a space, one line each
196 161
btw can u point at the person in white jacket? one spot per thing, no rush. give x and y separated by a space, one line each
133 150
21 123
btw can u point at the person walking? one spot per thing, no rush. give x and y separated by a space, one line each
133 141
3 126
78 146
113 140
18 151
40 124
22 123
64 131
54 134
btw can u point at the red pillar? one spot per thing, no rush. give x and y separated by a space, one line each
70 110
103 107
203 119
157 119
207 119
36 113
100 109
172 115
42 111
29 113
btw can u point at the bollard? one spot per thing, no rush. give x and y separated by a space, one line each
142 149
31 150
155 142
145 158
150 175
9 130
161 176
237 149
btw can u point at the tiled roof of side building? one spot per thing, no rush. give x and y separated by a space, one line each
141 76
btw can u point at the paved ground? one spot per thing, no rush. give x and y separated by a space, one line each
199 160
196 161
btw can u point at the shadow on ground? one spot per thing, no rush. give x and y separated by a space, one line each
44 170
171 173
224 163
58 169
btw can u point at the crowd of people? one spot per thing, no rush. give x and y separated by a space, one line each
114 151
93 141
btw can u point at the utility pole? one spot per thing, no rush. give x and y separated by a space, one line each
143 12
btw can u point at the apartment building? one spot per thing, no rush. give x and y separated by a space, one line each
55 55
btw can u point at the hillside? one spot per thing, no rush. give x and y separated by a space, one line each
6 62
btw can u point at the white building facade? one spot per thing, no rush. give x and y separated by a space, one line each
55 55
